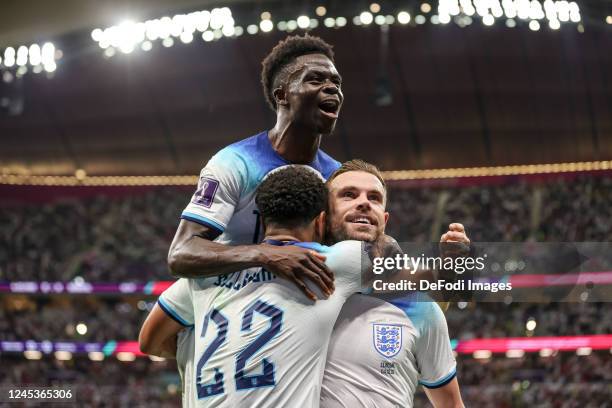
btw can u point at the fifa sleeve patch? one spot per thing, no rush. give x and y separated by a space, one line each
205 194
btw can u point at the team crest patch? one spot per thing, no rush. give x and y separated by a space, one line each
205 194
387 339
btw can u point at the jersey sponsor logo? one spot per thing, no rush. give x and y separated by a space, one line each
205 194
387 339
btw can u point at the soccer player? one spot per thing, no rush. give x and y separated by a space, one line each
260 342
383 347
303 87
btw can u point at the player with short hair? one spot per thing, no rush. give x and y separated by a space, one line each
383 347
303 87
259 341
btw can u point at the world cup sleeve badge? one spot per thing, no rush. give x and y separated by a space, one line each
387 339
205 194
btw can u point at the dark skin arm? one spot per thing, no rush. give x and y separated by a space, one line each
193 254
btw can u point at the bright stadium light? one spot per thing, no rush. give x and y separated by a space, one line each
81 328
341 21
366 18
32 354
425 7
375 7
208 36
22 55
186 37
126 356
321 11
147 46
380 20
534 25
488 20
266 25
554 24
531 324
35 54
303 22
63 355
403 17
95 356
168 42
420 19
329 22
251 29
96 35
282 25
266 15
510 23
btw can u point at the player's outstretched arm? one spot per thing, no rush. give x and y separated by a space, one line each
447 396
158 334
193 254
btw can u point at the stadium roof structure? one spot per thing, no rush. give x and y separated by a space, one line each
418 96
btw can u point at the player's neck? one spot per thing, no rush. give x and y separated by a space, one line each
294 143
280 234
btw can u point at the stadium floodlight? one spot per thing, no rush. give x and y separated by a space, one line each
266 25
22 55
403 17
81 329
146 46
208 36
341 21
531 324
574 12
609 19
35 54
389 19
420 19
186 37
444 18
374 8
425 7
314 23
303 22
488 20
534 25
554 24
109 52
251 29
329 22
435 19
380 19
291 25
129 34
366 18
238 31
266 15
321 11
510 23
282 25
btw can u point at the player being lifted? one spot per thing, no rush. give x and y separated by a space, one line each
382 347
303 87
260 342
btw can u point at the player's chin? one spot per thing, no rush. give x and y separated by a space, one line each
361 232
326 125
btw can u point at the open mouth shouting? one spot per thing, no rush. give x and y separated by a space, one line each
330 107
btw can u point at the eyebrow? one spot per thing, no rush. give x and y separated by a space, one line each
319 71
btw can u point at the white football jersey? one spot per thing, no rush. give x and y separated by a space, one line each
259 341
225 197
185 345
380 350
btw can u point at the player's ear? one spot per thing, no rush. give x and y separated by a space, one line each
280 96
320 226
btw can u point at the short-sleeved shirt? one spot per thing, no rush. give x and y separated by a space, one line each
225 197
380 350
259 341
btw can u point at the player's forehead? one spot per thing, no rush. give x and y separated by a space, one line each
358 180
314 62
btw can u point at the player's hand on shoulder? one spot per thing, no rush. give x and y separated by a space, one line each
298 264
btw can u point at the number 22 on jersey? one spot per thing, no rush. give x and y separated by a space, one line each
216 319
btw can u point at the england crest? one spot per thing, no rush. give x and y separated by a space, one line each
387 339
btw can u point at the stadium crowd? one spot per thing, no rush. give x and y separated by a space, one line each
561 381
110 318
127 238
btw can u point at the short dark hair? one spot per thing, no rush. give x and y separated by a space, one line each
287 50
358 165
291 197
